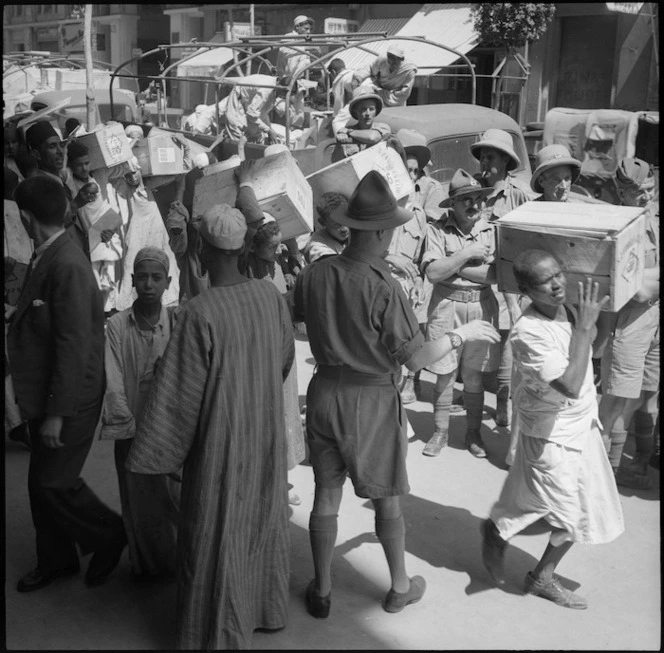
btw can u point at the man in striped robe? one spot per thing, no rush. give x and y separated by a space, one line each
217 408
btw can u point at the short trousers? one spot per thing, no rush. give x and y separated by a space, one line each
359 429
480 356
630 362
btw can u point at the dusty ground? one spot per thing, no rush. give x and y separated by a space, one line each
461 610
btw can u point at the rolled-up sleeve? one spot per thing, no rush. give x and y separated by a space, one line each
401 334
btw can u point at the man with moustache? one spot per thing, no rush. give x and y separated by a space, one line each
497 159
459 259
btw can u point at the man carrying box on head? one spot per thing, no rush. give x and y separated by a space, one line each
361 330
560 473
554 175
630 360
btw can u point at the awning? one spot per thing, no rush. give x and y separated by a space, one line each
447 24
208 62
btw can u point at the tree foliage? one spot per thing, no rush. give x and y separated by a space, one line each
511 25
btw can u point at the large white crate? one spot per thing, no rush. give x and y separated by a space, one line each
344 176
603 241
280 187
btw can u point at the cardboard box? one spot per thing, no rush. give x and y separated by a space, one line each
603 241
108 146
161 153
343 176
281 190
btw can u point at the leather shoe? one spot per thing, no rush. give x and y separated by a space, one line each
317 606
37 578
554 591
104 561
435 444
396 602
493 551
477 450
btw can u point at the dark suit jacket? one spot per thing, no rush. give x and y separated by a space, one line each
56 338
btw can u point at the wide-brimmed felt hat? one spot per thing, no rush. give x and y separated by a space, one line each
372 206
361 94
553 156
497 139
415 144
463 183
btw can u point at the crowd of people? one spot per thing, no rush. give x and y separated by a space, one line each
172 334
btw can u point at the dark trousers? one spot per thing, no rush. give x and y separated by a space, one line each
65 511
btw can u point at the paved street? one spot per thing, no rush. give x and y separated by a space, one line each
461 610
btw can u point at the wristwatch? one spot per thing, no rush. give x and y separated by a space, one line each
455 339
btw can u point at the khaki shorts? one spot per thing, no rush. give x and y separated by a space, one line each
482 356
359 429
630 362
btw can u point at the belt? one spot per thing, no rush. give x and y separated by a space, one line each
466 296
349 375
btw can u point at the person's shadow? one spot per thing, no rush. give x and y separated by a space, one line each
496 440
449 537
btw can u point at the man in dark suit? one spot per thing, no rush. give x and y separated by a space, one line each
56 348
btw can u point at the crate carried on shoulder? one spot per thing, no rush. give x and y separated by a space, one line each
344 176
603 241
280 187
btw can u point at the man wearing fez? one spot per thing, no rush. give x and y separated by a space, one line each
216 409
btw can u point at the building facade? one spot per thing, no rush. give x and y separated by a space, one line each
592 55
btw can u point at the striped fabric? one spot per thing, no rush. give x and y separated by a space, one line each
216 406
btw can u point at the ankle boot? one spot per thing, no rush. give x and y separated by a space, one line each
441 420
435 444
474 402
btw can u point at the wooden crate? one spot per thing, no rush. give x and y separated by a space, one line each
108 146
160 153
343 176
603 241
281 190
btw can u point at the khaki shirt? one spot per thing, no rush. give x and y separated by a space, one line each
362 320
444 238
